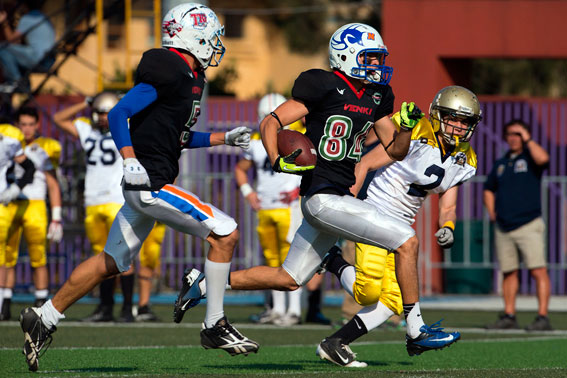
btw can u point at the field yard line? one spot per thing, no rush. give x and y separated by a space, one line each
362 343
310 327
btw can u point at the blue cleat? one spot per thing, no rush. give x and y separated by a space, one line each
190 294
431 338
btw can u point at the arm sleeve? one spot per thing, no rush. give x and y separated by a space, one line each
133 102
198 139
27 177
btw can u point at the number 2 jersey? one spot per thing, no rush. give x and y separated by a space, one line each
400 188
338 121
160 131
104 164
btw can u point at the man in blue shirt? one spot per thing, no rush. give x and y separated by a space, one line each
512 196
28 43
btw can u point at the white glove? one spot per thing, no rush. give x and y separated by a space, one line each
135 173
11 193
55 231
445 237
239 137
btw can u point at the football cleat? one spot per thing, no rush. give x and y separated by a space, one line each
224 336
329 256
36 336
103 313
431 338
145 314
333 350
190 294
505 321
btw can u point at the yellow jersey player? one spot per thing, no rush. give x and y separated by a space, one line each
28 212
103 200
11 150
440 158
276 199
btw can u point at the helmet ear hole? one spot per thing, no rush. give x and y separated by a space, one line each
343 58
202 42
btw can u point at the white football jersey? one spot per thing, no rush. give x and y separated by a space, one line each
44 154
270 184
104 165
11 145
400 188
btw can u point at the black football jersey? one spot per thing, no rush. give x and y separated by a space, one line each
339 119
160 130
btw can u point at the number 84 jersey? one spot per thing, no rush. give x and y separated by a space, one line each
104 165
399 189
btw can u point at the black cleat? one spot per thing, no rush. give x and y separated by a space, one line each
126 315
37 336
6 314
101 314
224 336
328 258
333 350
505 321
317 318
190 294
145 314
431 338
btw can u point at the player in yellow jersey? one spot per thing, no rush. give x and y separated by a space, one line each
103 200
11 151
28 212
439 159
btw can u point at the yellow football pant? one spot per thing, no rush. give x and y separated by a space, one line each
4 226
30 218
273 228
97 225
376 278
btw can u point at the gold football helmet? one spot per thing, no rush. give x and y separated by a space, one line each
103 103
455 103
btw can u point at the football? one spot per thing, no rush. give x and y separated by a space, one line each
291 140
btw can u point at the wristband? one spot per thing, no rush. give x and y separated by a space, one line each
449 224
246 189
56 213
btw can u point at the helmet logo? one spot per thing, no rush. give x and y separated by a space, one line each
199 20
371 36
350 35
171 27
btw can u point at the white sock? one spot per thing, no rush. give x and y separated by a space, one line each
348 276
294 298
7 293
278 299
50 317
1 297
216 275
414 321
41 294
374 315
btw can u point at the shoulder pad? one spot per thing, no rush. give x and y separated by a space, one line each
13 132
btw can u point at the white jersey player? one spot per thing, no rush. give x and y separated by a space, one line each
104 198
438 161
276 199
11 150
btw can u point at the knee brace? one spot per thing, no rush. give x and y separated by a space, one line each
370 267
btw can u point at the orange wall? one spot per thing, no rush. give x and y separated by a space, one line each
420 33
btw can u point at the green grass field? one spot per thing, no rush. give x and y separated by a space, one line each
168 349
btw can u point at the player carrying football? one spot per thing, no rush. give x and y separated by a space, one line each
162 107
340 107
439 160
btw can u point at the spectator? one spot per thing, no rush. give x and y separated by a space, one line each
512 196
27 45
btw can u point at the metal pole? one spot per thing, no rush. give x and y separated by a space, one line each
99 17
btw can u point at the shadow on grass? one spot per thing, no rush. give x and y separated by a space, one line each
95 370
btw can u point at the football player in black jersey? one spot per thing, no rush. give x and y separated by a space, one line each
162 107
341 107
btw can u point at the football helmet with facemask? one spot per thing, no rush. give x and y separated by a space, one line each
358 51
194 28
457 104
268 104
103 103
